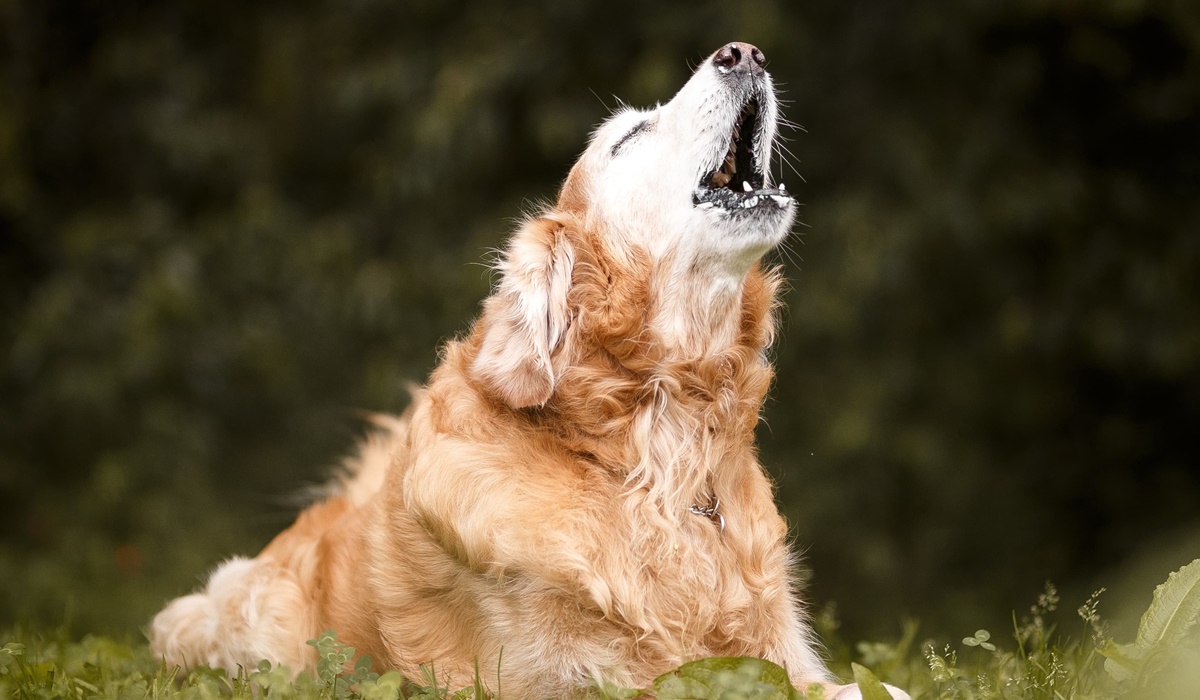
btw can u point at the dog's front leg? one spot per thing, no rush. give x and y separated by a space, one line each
777 629
504 514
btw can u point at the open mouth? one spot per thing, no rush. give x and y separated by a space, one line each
737 182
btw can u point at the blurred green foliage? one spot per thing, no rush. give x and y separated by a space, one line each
226 227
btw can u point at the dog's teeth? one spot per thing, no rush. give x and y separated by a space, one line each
781 201
704 205
782 187
746 186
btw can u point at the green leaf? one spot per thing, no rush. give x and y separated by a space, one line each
1121 661
725 679
1173 611
363 665
327 638
385 687
9 654
870 686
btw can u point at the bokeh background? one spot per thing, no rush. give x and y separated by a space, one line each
227 228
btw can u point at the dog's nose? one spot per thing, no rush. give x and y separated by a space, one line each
739 57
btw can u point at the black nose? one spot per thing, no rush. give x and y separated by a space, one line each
739 57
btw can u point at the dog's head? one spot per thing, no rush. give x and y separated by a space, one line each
675 201
691 178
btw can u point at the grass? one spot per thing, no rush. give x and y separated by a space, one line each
1036 660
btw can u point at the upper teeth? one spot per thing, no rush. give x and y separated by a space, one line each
782 187
746 186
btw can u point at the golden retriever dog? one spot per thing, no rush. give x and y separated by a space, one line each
575 496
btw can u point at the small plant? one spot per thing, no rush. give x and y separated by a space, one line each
980 639
332 658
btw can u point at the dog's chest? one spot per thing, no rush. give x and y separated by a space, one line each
688 580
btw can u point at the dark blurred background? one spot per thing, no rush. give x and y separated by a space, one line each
228 227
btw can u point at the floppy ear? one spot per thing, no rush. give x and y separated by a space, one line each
526 318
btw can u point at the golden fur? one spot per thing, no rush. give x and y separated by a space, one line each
535 498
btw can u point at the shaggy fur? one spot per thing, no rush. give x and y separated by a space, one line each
537 496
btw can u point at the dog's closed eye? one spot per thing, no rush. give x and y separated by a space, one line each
638 129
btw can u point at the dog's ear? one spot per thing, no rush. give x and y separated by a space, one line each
526 319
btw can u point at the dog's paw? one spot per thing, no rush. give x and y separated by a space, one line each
851 692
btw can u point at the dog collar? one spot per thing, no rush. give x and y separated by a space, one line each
712 512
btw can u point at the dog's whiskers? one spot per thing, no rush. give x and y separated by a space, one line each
784 152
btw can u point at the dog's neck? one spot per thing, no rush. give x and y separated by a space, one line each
655 372
664 385
695 310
